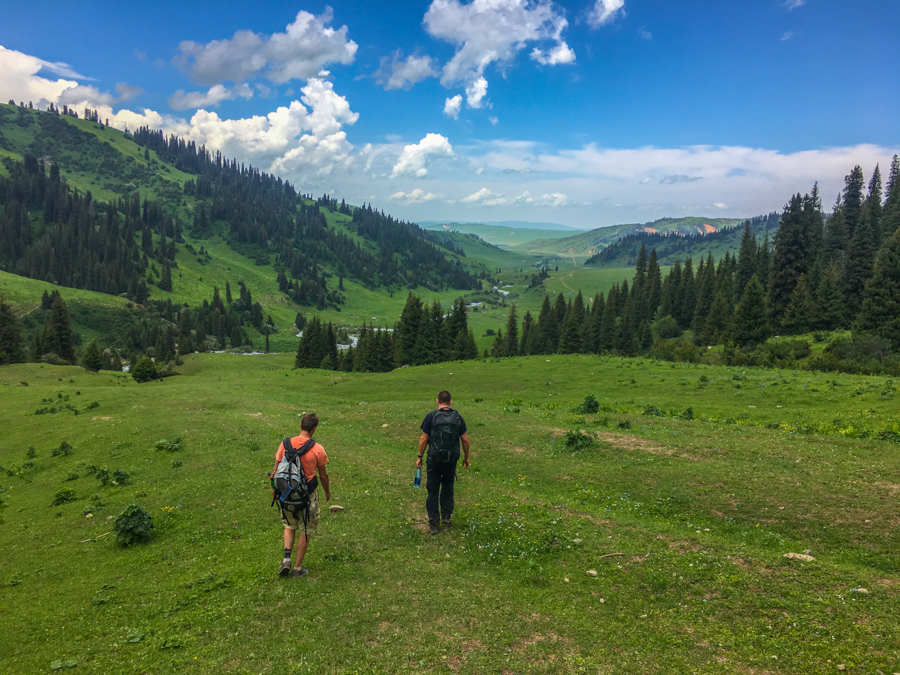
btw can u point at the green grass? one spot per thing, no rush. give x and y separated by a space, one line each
701 510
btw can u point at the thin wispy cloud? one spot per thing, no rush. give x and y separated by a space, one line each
645 34
787 36
790 5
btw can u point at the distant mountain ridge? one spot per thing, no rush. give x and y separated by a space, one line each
514 224
587 244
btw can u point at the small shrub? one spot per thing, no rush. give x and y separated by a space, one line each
623 424
176 463
688 414
577 440
144 370
590 405
32 453
64 496
133 526
170 446
103 476
120 477
653 411
62 449
72 475
93 405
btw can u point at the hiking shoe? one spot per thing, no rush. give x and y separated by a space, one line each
433 529
299 572
285 568
446 522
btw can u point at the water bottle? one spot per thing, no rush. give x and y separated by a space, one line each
418 481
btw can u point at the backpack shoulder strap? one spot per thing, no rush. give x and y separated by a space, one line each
286 443
306 447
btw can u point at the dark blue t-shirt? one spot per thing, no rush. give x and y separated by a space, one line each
426 424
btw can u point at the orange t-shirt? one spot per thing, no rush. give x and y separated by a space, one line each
310 461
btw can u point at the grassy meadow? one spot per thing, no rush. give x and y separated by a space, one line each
647 537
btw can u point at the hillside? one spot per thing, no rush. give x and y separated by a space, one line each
500 235
673 246
86 206
587 244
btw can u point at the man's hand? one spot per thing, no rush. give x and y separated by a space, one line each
418 462
327 495
466 462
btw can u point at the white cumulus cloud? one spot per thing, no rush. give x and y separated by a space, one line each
413 159
606 11
395 72
182 100
306 47
417 196
452 107
493 31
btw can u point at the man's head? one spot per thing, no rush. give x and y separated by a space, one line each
309 422
444 398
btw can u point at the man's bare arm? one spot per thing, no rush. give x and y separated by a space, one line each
326 484
423 443
465 446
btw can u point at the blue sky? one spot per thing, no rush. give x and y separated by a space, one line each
585 113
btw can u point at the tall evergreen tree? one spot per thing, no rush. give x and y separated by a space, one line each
854 186
718 320
91 357
799 316
407 330
751 324
890 219
570 339
526 341
11 350
511 346
880 313
791 258
830 300
58 336
872 207
861 258
747 261
706 292
653 288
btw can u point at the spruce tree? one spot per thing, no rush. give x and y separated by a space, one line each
873 207
861 258
750 324
718 320
706 292
880 313
852 202
830 313
511 347
890 218
790 257
58 335
653 287
91 358
747 261
407 329
527 333
799 317
10 336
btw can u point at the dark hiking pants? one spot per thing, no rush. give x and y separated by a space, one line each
440 490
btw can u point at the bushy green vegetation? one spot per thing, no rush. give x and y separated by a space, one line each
682 493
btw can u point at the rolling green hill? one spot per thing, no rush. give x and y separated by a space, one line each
587 244
499 235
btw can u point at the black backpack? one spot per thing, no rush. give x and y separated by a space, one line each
443 441
292 489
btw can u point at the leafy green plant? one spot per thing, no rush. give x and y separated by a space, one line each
590 405
120 477
577 440
64 496
32 453
170 446
72 475
133 526
63 448
144 370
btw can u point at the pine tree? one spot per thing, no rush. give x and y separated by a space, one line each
861 258
165 280
718 320
854 184
653 288
830 300
58 336
527 334
407 329
890 219
706 292
547 328
790 257
570 339
799 316
10 336
750 324
748 257
91 358
880 313
511 347
872 206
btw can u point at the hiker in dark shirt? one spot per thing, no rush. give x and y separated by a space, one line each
442 431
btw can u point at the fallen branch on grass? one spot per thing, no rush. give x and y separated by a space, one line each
609 555
97 537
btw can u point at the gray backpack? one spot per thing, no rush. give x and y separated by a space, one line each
292 489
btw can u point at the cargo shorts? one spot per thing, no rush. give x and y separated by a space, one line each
294 521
